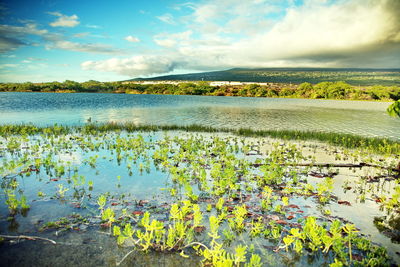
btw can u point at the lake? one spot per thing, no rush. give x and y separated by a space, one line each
62 177
357 117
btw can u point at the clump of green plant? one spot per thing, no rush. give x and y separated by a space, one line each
392 203
324 190
341 240
15 199
61 190
237 222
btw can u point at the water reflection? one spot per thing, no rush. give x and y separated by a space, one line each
358 117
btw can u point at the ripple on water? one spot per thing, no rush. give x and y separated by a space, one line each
357 117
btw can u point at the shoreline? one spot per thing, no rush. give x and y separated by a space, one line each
338 90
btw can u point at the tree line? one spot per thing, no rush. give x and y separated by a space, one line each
323 90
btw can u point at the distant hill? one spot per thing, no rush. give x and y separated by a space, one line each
363 77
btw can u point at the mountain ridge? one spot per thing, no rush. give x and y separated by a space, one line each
355 76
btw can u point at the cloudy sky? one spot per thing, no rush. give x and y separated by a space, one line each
49 40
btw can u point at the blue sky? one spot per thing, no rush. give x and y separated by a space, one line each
52 40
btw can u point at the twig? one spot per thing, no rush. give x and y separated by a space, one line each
195 243
28 238
127 254
83 197
336 165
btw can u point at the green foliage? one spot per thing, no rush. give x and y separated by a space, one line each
13 202
394 109
331 89
237 223
101 201
324 190
108 216
62 190
219 204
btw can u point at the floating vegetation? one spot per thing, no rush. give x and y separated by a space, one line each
225 199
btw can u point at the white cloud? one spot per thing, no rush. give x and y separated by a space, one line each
165 42
81 34
229 16
170 40
134 66
204 13
325 30
354 33
93 26
6 66
36 59
132 39
64 20
167 18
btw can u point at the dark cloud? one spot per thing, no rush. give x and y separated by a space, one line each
8 44
89 48
382 55
13 37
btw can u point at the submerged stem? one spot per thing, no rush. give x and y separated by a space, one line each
28 238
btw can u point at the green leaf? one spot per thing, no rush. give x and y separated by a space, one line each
394 109
116 230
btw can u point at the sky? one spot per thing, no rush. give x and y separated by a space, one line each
56 40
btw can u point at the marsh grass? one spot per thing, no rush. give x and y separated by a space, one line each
373 144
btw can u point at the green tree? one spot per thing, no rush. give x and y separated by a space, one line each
92 86
71 85
305 90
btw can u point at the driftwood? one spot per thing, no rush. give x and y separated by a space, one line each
337 165
27 237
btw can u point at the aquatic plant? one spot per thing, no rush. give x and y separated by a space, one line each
224 193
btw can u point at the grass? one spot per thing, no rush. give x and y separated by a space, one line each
374 144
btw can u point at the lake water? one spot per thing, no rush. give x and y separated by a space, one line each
89 245
358 117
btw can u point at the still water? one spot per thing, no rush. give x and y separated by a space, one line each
358 117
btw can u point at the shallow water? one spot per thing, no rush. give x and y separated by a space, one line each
357 117
88 248
92 240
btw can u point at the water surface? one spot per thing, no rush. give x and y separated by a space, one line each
358 117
